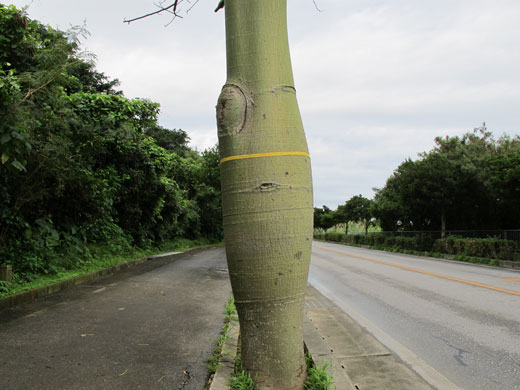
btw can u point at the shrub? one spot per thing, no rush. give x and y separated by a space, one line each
491 248
336 237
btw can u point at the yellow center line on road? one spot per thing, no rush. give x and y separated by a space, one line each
419 271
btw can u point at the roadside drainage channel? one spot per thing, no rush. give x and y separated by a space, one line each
44 291
356 359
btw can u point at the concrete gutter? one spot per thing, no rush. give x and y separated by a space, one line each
45 291
226 363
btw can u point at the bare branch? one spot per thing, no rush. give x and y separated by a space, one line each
316 6
193 5
172 7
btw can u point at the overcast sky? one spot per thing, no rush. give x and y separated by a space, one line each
376 80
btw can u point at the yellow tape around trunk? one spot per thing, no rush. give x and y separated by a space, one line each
258 155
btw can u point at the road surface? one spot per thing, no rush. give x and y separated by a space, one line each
151 326
461 319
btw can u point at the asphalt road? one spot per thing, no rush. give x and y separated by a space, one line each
151 326
461 319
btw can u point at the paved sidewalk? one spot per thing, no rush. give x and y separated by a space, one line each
357 360
151 326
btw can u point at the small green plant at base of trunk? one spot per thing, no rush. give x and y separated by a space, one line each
230 308
317 377
242 381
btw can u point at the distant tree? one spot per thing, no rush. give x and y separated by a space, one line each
318 212
388 207
464 183
324 218
503 172
343 215
357 209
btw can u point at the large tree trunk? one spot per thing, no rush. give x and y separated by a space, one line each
266 192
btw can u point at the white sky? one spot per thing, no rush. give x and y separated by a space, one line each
377 80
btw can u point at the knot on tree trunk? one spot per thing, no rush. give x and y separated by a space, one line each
232 110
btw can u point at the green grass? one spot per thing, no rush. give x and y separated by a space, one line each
317 377
476 260
242 381
101 257
230 308
213 361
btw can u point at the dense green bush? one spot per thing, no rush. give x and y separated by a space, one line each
492 248
488 248
82 165
334 237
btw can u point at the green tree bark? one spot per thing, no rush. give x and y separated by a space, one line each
266 192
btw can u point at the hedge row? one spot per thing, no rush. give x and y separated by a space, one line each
491 248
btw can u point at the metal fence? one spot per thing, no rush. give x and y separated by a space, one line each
513 235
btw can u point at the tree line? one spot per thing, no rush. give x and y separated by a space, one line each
470 182
81 164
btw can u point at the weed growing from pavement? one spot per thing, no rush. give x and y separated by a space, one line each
241 381
317 377
213 361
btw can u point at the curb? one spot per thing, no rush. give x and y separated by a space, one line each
226 364
44 291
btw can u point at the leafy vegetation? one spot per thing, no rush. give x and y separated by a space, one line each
477 250
464 183
356 211
318 378
82 166
242 381
102 256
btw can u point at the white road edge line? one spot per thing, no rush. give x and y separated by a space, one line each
423 369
